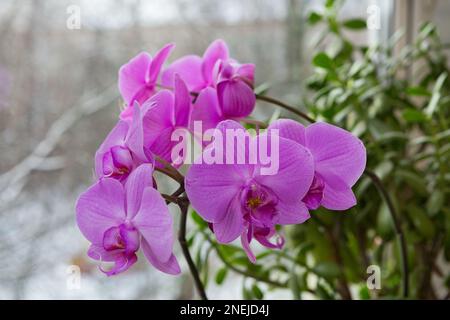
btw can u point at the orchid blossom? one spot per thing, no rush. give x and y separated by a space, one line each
232 82
118 220
239 201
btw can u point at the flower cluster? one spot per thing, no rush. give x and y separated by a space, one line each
123 211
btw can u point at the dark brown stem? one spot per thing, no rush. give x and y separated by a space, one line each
285 106
184 204
398 229
342 286
342 281
169 170
168 173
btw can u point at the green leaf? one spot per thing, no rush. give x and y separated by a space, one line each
421 221
329 4
327 269
385 226
257 292
262 88
434 102
364 293
294 285
246 293
418 91
414 180
435 202
221 275
322 60
198 220
414 115
355 24
323 293
314 17
191 239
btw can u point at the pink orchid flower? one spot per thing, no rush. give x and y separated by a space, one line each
339 161
162 114
138 78
233 81
123 149
237 200
118 220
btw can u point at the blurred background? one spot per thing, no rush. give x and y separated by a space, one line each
59 99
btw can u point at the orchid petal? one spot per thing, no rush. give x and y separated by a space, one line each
337 195
158 61
206 109
336 151
189 68
247 72
230 227
100 208
157 115
154 222
98 253
162 145
216 51
135 136
246 245
182 103
292 213
212 187
295 171
138 180
132 76
115 137
121 157
169 266
289 129
121 264
236 98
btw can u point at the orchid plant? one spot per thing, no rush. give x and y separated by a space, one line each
232 197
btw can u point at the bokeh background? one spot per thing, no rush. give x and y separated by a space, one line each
59 99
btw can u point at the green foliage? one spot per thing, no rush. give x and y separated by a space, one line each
402 115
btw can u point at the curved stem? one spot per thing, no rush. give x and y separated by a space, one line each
183 203
169 170
397 226
284 106
187 255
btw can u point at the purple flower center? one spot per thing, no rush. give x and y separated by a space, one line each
315 193
122 239
259 205
227 70
259 209
117 162
121 243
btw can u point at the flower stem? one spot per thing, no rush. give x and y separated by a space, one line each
397 226
285 106
184 246
183 203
